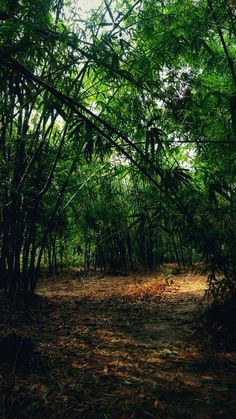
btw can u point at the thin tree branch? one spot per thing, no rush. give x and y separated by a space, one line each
229 59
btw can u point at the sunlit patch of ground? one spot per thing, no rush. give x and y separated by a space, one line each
133 285
122 347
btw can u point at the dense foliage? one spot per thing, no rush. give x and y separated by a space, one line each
117 137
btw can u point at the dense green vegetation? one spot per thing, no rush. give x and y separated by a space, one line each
117 137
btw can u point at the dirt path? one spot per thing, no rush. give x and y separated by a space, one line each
123 347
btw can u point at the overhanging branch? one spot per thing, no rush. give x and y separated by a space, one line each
18 68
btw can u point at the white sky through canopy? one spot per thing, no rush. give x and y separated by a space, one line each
87 5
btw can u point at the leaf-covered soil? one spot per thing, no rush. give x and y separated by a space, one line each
117 347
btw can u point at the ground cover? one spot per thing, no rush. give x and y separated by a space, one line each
118 347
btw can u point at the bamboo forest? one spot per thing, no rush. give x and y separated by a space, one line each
118 209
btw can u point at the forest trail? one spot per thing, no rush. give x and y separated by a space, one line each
123 347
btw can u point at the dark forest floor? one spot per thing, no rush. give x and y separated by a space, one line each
118 347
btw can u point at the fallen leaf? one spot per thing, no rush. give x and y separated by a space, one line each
75 365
